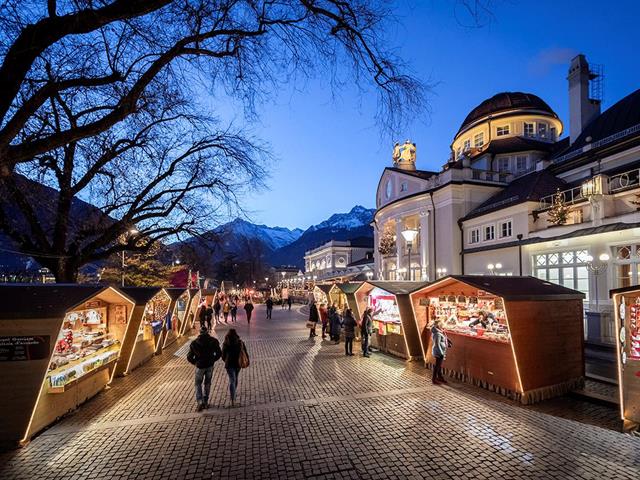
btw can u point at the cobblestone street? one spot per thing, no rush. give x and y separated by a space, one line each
307 411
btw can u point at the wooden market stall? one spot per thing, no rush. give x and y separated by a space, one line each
59 347
179 298
519 336
626 303
190 316
321 293
394 327
348 291
145 327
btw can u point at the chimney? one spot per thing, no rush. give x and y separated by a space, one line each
582 108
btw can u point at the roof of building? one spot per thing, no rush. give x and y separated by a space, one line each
349 287
619 117
506 101
423 174
141 295
29 301
398 288
530 187
516 288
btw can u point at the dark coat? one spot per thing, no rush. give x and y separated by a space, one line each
248 307
209 313
269 303
204 351
231 354
366 327
336 322
217 307
349 324
313 313
202 316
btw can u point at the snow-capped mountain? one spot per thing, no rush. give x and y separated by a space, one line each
357 217
272 237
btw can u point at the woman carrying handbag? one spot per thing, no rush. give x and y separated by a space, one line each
235 356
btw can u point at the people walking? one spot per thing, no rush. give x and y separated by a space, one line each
439 351
226 308
216 310
349 324
366 329
289 302
248 308
269 304
202 315
204 351
208 316
234 310
336 323
232 349
314 317
324 318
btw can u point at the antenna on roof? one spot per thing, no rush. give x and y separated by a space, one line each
596 82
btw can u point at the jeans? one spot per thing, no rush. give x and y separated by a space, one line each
233 381
269 312
437 368
365 344
203 374
233 316
348 345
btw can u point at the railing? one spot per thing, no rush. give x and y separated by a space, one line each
624 181
520 173
489 175
599 143
570 196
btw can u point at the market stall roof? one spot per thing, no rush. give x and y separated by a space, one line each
349 287
630 288
513 287
398 288
175 293
326 288
27 301
141 295
193 291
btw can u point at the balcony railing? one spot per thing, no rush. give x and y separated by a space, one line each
570 197
490 176
624 181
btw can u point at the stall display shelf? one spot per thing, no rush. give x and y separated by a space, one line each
457 318
63 377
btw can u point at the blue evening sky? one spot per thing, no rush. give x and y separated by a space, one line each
330 153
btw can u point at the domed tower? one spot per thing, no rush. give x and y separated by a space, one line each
515 120
404 156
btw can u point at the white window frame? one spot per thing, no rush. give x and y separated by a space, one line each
475 230
478 140
466 145
484 232
560 266
533 129
500 161
504 222
633 261
545 127
521 157
503 130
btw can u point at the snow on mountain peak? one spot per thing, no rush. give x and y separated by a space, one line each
357 217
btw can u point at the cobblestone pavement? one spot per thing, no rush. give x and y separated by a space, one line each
307 411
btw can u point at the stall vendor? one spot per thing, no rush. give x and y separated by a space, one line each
485 319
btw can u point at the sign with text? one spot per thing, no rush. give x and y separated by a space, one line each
21 348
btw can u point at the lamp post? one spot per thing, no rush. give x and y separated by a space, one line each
409 236
441 272
597 269
132 232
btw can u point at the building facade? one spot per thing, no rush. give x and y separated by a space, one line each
337 257
518 198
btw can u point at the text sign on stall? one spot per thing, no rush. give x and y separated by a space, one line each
27 347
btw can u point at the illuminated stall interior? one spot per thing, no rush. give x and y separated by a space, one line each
65 341
626 302
393 324
321 293
145 327
190 320
519 336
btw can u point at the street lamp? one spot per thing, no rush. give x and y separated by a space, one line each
409 237
494 268
369 275
597 269
132 232
441 272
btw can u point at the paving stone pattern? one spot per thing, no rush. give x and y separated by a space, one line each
307 411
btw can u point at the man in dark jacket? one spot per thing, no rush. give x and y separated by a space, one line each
204 351
366 329
349 332
269 304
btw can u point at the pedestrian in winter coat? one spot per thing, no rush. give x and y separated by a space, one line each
269 304
349 324
234 310
324 318
202 315
248 308
208 316
439 351
231 349
289 302
336 324
314 317
366 329
216 310
204 351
